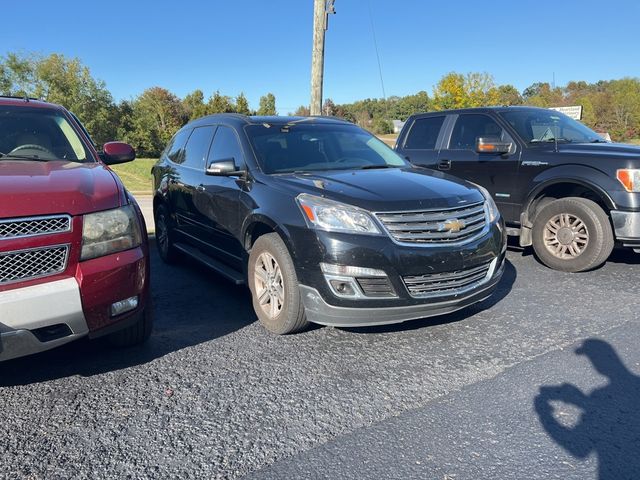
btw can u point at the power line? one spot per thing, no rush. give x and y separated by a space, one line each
375 44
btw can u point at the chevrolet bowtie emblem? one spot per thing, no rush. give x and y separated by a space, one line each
452 226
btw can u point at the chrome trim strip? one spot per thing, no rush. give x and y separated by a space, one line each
482 233
468 288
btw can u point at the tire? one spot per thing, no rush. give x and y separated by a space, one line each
274 286
137 333
164 235
572 235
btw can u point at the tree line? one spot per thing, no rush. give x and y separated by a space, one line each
149 120
611 106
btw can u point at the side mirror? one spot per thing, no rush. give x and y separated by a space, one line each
224 168
114 153
492 145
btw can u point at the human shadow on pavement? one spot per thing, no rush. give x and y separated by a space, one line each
503 289
192 305
609 425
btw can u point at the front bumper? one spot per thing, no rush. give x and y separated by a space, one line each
627 228
78 305
319 311
400 264
36 307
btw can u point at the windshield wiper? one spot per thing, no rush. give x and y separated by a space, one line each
598 140
374 167
550 140
8 156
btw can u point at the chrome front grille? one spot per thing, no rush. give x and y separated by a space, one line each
448 283
452 225
29 227
33 263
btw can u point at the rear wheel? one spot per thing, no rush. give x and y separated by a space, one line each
164 235
572 235
274 286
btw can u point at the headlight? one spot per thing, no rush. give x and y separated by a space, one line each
630 179
490 205
333 216
110 231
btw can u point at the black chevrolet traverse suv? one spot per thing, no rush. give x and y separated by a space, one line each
559 185
324 222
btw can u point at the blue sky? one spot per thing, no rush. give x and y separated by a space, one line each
257 46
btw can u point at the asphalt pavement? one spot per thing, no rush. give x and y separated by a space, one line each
499 390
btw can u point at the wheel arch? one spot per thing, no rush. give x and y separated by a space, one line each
257 225
556 188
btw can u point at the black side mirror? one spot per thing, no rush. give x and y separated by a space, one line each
224 168
492 145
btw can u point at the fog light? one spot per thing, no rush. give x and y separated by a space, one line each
342 288
344 280
124 306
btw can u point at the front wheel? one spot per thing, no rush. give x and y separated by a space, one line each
572 235
274 286
136 333
164 235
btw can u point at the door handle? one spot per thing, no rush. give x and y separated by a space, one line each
200 188
444 165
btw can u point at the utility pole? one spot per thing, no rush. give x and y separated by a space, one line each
321 11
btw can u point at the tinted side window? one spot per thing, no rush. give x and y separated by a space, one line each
471 126
175 150
424 133
226 146
197 148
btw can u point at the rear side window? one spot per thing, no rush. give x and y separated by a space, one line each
175 150
471 126
197 148
424 133
226 146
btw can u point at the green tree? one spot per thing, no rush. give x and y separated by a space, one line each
194 105
541 94
65 81
302 111
406 106
267 105
242 105
220 104
509 95
156 115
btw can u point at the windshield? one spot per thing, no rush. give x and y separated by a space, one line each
38 134
300 147
536 126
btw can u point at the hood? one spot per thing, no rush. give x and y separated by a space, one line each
29 188
609 150
391 189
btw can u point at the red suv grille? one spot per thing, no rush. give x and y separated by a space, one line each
29 227
34 263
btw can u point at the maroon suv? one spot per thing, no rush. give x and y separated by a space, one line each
73 246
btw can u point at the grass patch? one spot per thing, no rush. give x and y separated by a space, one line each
136 175
634 141
389 139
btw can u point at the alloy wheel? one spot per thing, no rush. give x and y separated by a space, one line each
269 285
566 236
